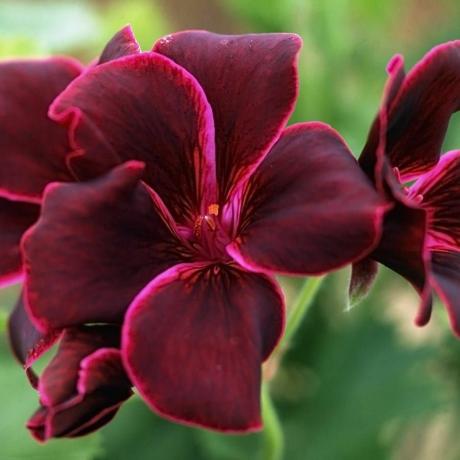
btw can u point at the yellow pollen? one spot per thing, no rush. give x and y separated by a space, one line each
213 209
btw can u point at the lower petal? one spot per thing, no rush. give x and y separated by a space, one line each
194 340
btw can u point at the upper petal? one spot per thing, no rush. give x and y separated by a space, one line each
33 146
251 84
418 112
194 340
308 208
95 246
439 194
15 218
123 43
144 107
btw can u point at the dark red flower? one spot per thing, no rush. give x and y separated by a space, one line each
83 386
205 194
421 233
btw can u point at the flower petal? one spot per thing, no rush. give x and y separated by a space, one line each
33 146
194 340
446 281
308 207
251 84
403 249
15 218
439 192
144 107
95 246
27 343
123 43
418 115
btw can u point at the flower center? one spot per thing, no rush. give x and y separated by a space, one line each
209 236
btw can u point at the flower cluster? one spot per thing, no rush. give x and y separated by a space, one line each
148 200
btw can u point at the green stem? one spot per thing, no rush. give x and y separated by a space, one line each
273 445
300 307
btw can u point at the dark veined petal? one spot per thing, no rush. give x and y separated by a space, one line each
446 281
15 218
83 386
33 146
419 113
308 208
251 84
123 43
194 340
144 107
439 193
403 249
363 274
372 159
27 343
95 246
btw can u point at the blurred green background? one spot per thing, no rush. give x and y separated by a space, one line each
355 385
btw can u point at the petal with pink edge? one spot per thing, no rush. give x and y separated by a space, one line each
33 147
251 84
144 107
308 208
418 114
15 218
123 43
94 248
194 340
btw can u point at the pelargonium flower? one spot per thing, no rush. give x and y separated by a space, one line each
420 238
192 195
83 386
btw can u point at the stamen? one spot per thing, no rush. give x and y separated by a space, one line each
213 209
197 226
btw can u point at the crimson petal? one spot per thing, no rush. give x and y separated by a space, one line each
308 208
123 43
446 280
194 340
33 147
418 115
251 84
95 246
15 218
144 107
